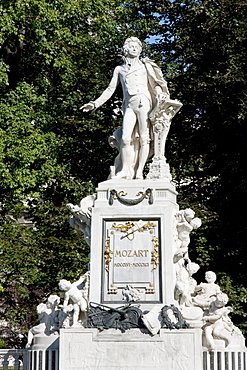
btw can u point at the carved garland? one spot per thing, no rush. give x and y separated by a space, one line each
108 254
148 194
155 253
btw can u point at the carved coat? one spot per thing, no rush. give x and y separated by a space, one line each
142 78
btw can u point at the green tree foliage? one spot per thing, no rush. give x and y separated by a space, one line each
54 56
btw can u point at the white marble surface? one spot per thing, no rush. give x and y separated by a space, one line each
142 259
132 350
145 97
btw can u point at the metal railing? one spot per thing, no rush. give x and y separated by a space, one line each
13 359
23 359
28 359
224 360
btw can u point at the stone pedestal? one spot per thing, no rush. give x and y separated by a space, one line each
44 353
133 350
132 241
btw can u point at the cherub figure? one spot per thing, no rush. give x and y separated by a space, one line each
44 326
76 296
185 284
186 222
47 313
217 323
52 304
206 292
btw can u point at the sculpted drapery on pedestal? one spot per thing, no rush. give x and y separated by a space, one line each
144 90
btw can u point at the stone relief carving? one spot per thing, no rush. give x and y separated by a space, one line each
131 294
145 93
123 318
161 117
201 305
81 219
152 320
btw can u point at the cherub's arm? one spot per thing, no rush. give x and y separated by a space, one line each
216 316
211 318
80 280
66 299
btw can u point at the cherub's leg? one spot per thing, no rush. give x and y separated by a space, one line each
221 333
83 304
75 314
37 329
29 339
209 336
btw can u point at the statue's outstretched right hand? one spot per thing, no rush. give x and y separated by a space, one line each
87 107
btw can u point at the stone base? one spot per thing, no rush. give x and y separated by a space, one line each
45 342
149 266
132 350
44 353
237 344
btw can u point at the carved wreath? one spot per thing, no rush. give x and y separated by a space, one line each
167 322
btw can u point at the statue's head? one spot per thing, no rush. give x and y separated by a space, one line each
189 214
53 301
41 308
221 300
132 45
64 284
210 276
196 222
193 268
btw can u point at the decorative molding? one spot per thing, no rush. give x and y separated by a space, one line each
131 227
155 253
108 254
114 195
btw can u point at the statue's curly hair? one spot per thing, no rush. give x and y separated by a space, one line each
131 39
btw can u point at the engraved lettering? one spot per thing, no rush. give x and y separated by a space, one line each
130 253
125 264
124 253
